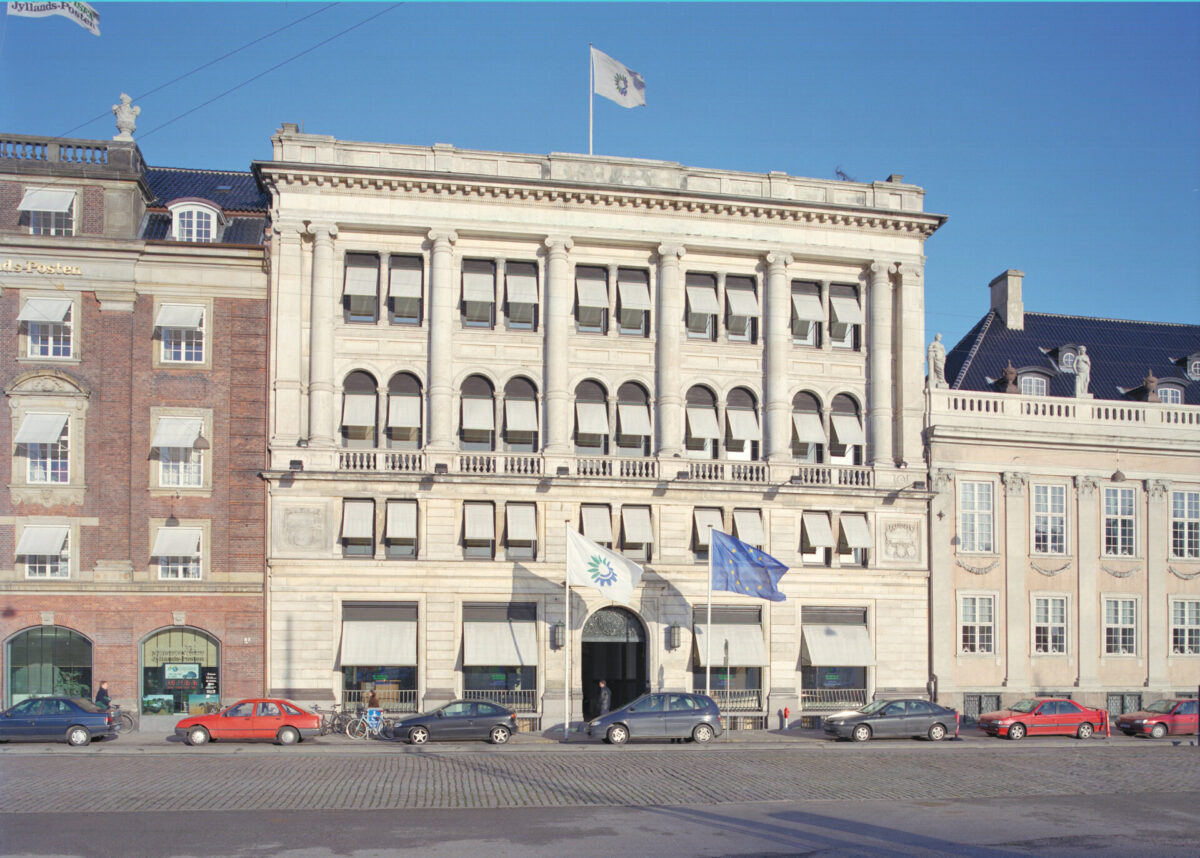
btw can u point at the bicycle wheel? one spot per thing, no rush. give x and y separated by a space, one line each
359 729
124 722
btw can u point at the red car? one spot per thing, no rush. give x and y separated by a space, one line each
1046 717
1160 718
257 718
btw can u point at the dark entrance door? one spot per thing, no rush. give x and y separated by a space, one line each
612 648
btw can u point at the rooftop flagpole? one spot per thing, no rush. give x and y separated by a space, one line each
591 94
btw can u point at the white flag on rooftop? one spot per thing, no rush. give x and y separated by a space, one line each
591 565
616 82
79 12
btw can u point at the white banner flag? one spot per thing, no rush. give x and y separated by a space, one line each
79 12
616 82
590 565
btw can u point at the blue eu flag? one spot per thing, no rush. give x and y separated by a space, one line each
741 568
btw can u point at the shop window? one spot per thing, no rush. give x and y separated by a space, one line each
379 653
48 660
406 290
731 664
500 654
181 673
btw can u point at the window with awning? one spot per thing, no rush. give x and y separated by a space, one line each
379 634
704 520
479 525
177 432
180 316
521 519
597 523
806 305
845 310
478 415
634 290
856 533
742 300
358 520
361 278
404 412
45 310
591 417
748 527
743 424
503 635
702 300
847 430
41 429
816 530
591 287
46 200
401 528
634 419
702 423
358 409
635 523
521 278
808 428
176 542
42 540
520 415
405 277
831 645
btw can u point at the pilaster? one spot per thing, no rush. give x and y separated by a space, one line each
1087 549
443 295
555 362
1158 622
288 333
943 612
777 321
1016 608
667 352
321 430
910 355
879 365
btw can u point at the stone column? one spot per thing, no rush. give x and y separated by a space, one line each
667 348
910 357
443 300
823 323
1087 549
879 366
555 361
777 324
1016 604
1158 621
943 610
287 334
321 429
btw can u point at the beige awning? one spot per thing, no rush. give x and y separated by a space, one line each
41 429
44 310
836 646
702 300
500 644
807 306
46 200
706 519
177 431
743 425
817 529
361 280
591 418
358 409
520 415
746 645
478 414
522 521
702 422
846 429
404 412
749 526
522 287
634 419
42 540
176 542
845 310
808 427
402 519
405 279
479 522
855 529
592 290
358 519
379 643
183 316
742 302
636 520
635 294
597 524
479 286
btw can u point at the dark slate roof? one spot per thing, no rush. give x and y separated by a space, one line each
243 194
1121 351
239 230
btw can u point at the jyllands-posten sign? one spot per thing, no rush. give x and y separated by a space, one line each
34 266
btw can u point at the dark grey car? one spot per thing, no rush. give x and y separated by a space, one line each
894 718
469 720
666 715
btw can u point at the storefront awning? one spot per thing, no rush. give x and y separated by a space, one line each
176 542
500 644
836 646
42 540
746 645
379 643
41 429
182 316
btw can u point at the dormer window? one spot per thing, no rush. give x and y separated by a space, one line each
1170 394
1193 368
1067 361
195 221
1033 385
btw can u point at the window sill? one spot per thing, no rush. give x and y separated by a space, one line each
181 491
74 359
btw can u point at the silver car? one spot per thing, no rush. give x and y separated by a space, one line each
666 715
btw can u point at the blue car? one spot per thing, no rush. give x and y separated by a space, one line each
75 720
669 715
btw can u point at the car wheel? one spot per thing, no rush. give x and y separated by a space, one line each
861 733
617 735
1016 731
78 736
1158 731
702 733
499 735
937 732
1085 731
197 736
418 735
288 736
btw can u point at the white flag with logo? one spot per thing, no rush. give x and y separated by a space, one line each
79 12
593 566
616 82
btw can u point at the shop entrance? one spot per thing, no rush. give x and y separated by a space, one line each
612 648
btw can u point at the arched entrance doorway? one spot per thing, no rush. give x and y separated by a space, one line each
48 660
612 648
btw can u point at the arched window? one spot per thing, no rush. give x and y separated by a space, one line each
48 660
181 672
478 425
359 410
808 431
1170 394
591 419
742 433
195 220
703 431
846 431
1033 384
633 420
520 416
405 410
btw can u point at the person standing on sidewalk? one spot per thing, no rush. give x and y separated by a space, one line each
605 698
102 698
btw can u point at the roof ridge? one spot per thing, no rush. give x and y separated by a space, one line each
200 170
1110 319
966 364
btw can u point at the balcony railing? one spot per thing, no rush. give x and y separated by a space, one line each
390 699
832 699
738 699
517 701
1052 410
75 153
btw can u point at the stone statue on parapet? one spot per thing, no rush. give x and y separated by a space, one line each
1083 374
937 363
126 115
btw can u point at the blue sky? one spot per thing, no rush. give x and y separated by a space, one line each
1060 139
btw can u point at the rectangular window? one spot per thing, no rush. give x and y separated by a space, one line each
358 528
816 539
406 289
50 462
975 517
1050 519
401 533
702 306
521 295
177 550
1185 627
478 293
633 302
48 211
978 623
1050 625
748 527
52 223
741 310
636 533
47 327
1033 385
845 317
479 530
180 467
181 332
1118 522
596 523
46 550
1185 525
854 539
705 520
807 314
591 300
1120 626
361 293
520 531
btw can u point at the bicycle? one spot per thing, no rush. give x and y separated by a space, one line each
334 720
122 720
362 728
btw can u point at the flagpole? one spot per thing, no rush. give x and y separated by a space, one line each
591 95
567 652
708 621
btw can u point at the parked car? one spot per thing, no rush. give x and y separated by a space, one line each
670 715
888 718
264 718
1044 717
75 720
469 720
1177 717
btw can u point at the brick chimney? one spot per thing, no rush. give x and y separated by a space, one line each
1006 299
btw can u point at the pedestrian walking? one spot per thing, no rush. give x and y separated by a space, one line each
373 700
605 698
102 698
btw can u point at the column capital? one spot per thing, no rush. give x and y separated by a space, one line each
323 231
1086 486
778 261
289 227
908 271
1157 489
438 236
943 479
1014 483
558 243
879 269
672 252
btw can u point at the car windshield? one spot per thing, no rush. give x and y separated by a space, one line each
1025 705
1161 706
874 707
87 705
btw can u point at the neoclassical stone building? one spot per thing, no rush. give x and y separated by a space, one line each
1065 461
473 351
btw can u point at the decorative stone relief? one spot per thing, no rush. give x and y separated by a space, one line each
900 540
1157 489
179 618
1014 483
942 480
303 527
47 618
1186 576
1047 571
977 570
1085 486
1120 573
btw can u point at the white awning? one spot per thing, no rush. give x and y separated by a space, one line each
41 429
807 306
44 310
702 422
361 280
358 519
379 643
358 409
706 519
478 414
635 295
46 200
635 419
702 300
749 526
746 645
846 429
522 521
855 529
597 524
402 519
742 302
500 644
637 525
404 412
808 427
591 418
592 290
817 529
404 280
520 415
845 310
522 287
478 522
479 286
836 646
743 425
186 316
42 540
177 431
176 542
